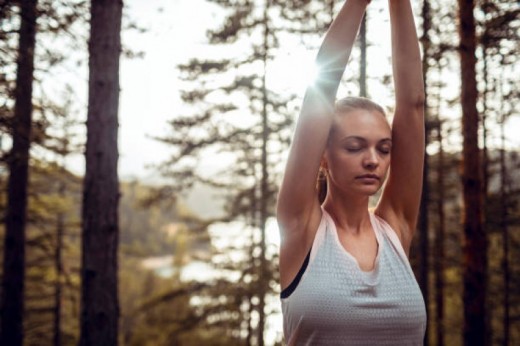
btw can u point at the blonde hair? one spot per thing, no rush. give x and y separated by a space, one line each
351 103
342 106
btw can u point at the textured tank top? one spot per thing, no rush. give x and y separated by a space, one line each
336 303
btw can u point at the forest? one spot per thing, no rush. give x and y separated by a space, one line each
91 257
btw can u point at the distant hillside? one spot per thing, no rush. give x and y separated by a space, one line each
205 201
152 229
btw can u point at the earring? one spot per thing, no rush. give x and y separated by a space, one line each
322 173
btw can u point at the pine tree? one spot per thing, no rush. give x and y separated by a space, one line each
45 285
475 246
250 178
100 229
15 219
439 262
53 18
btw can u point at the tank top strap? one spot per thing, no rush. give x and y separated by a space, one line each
321 233
390 235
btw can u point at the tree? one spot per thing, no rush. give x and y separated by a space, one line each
363 63
424 243
15 220
249 180
475 245
53 19
64 146
100 230
505 234
54 199
439 261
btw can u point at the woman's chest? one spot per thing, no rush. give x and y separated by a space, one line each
336 292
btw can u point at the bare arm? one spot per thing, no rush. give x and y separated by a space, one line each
400 201
298 209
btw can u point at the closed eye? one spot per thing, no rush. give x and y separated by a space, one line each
385 150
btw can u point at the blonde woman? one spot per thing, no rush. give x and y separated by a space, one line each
344 271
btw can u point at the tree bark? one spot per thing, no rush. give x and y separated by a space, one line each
363 59
100 229
505 234
485 159
58 258
264 187
474 243
439 244
18 162
440 235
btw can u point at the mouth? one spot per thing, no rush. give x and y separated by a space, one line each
368 176
368 179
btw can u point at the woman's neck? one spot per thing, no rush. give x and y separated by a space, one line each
349 212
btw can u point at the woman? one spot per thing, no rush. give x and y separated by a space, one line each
344 271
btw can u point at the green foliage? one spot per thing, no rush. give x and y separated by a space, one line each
140 223
53 204
146 231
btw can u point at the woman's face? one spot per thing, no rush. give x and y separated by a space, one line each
358 152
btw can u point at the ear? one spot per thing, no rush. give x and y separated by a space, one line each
323 163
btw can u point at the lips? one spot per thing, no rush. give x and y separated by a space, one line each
368 177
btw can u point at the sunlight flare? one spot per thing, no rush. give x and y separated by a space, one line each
293 71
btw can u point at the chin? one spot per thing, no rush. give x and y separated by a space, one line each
370 190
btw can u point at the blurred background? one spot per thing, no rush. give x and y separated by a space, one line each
209 94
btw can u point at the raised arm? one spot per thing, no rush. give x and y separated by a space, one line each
298 209
399 204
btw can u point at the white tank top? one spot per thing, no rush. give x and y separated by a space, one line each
336 303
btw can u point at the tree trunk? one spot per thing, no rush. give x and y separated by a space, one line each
474 243
505 234
15 218
59 269
486 164
485 158
424 241
440 235
264 187
363 59
439 244
100 229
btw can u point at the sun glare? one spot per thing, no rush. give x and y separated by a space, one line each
314 71
292 72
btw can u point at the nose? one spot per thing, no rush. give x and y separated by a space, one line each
371 159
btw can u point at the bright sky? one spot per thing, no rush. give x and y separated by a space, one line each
150 86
